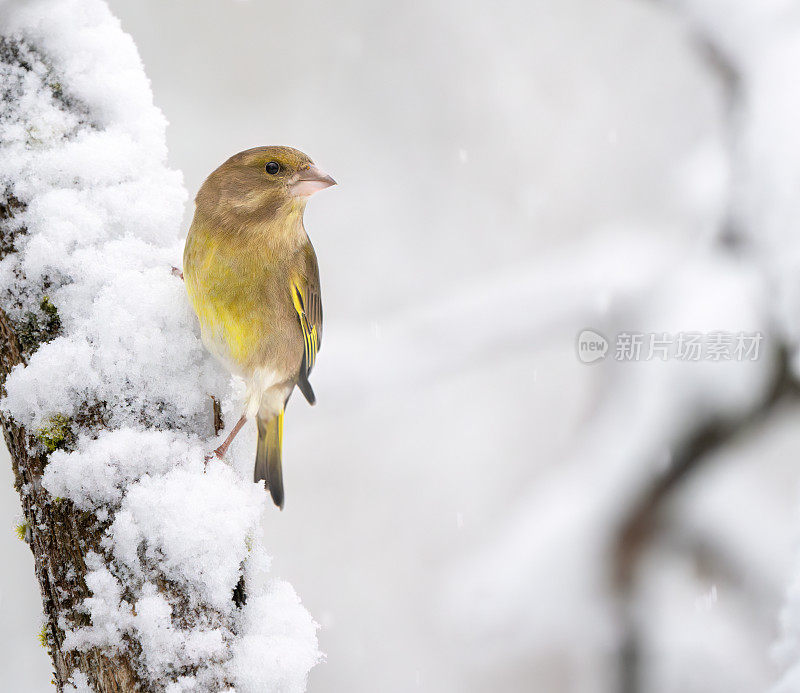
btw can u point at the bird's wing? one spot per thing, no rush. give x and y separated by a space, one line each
308 304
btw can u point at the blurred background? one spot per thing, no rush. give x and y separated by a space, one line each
470 507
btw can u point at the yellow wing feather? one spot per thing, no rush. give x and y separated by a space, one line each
311 333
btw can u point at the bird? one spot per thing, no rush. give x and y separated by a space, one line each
252 277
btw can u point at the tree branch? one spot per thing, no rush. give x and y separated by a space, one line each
59 537
640 527
141 551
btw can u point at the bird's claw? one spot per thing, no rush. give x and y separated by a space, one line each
219 453
177 272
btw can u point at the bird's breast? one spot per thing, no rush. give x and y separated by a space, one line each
244 313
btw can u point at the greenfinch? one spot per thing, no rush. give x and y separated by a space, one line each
252 277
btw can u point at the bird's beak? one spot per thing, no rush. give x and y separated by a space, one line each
308 181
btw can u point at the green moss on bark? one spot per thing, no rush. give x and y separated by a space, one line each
39 327
56 434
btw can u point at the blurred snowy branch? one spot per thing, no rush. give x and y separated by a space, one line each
570 287
139 550
559 580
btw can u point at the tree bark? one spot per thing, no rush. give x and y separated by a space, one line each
59 536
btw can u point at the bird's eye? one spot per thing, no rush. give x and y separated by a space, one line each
273 167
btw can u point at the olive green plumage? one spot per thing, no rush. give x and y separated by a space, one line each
252 277
268 456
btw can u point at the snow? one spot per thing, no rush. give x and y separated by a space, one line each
79 684
192 529
493 594
570 448
83 148
580 141
762 41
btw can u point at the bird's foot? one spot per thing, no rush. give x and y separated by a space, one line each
177 272
222 449
219 453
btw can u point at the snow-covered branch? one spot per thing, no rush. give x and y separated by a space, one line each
107 412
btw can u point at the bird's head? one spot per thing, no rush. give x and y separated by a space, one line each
261 182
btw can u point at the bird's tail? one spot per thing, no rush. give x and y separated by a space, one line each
268 456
